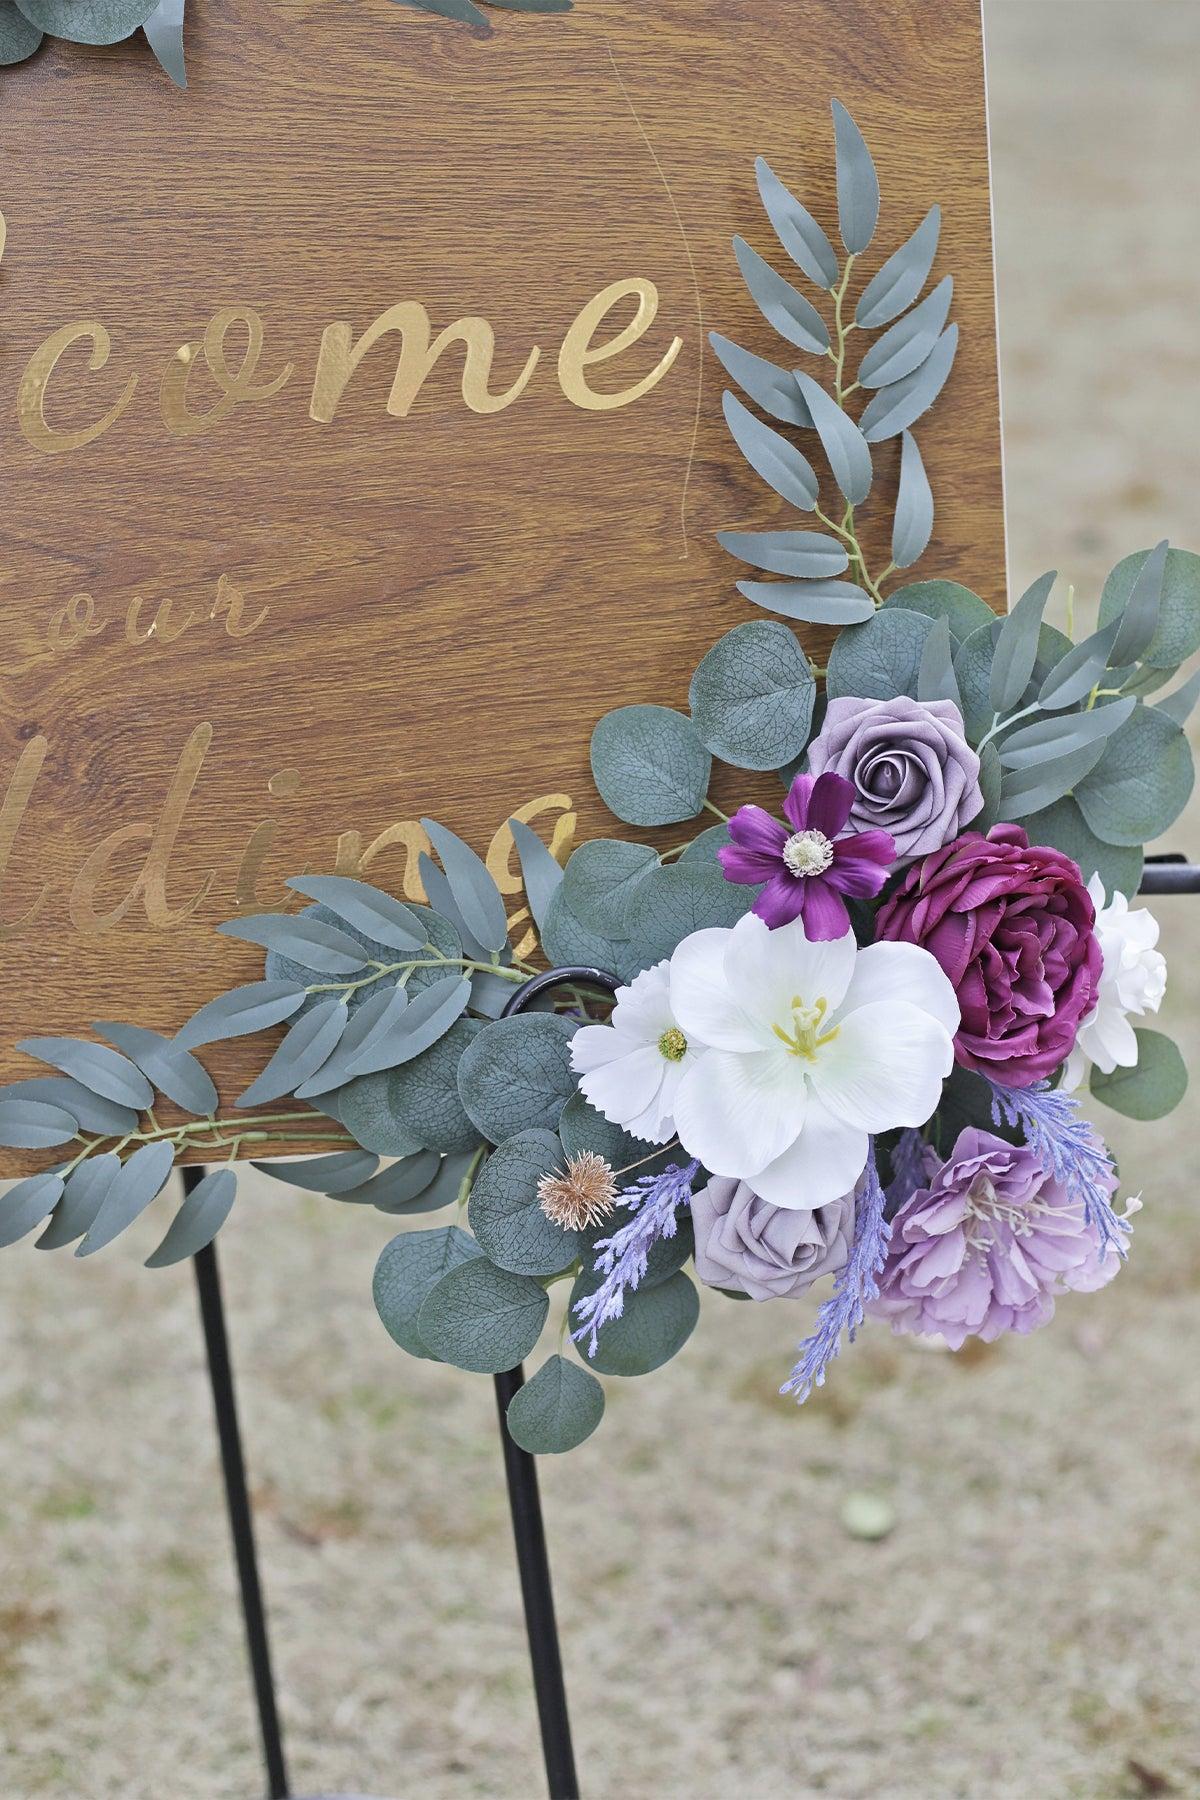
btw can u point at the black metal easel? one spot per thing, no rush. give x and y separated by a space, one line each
1170 875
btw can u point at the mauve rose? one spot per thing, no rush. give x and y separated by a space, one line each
914 773
769 1252
1014 928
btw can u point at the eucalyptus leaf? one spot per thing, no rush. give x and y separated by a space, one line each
88 21
139 1181
703 848
1031 790
847 449
1016 648
175 1072
812 602
516 1076
368 909
809 554
164 33
600 880
198 1220
1177 637
449 1187
441 936
1139 618
904 347
83 1196
106 1072
476 895
26 1204
679 899
303 938
1142 782
306 1047
403 1186
793 317
556 1410
423 1093
365 1108
408 1270
949 600
540 872
568 942
892 409
770 455
649 765
237 1014
1150 1090
582 1128
33 1125
1064 827
377 1014
902 276
19 38
991 785
752 696
912 526
335 1174
655 1325
400 1035
1177 706
505 1214
879 659
857 183
796 229
464 12
1073 679
441 897
1050 738
483 1318
769 386
935 677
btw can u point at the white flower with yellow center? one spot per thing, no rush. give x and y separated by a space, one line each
1133 983
805 1050
630 1069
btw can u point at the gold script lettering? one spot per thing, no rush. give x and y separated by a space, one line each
500 854
29 767
31 395
579 353
235 387
339 356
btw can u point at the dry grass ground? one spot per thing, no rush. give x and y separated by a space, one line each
1030 1626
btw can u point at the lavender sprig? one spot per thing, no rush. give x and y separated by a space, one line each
855 1285
654 1201
908 1170
1069 1149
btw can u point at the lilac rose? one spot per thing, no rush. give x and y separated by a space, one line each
913 771
768 1252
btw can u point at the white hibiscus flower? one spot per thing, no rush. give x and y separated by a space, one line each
808 1049
1133 983
631 1068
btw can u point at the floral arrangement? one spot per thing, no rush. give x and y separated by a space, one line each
24 23
836 1042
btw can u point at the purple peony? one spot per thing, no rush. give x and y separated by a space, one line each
913 771
1013 927
807 870
986 1246
769 1252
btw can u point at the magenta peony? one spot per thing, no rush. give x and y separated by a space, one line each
987 1245
1013 926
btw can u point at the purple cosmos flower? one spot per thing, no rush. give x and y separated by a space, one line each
809 869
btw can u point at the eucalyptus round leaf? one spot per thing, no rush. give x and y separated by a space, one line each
666 1256
18 37
649 765
423 1097
1150 1090
601 879
752 696
483 1318
880 659
365 1109
656 1323
409 1268
569 943
703 849
679 899
1064 827
517 1076
582 1128
962 610
556 1410
1141 783
505 1214
1177 635
88 21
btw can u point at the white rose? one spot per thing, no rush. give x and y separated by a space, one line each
1132 984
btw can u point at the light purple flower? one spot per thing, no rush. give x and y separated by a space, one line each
809 869
913 771
987 1244
768 1252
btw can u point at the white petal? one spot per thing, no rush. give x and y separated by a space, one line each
595 1045
888 973
766 969
736 1113
625 1089
823 1164
885 1067
706 1010
643 1009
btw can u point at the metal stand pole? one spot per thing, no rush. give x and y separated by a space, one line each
1171 874
237 1499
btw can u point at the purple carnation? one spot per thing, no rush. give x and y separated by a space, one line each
768 1252
808 869
913 772
986 1246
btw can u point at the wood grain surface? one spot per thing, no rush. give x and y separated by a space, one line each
448 600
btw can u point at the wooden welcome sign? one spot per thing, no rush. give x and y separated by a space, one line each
361 444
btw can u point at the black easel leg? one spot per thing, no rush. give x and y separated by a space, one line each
534 1566
241 1523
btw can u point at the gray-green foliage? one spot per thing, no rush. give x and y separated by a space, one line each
675 901
1150 1090
600 881
752 696
408 1270
516 1075
880 659
423 1096
505 1214
481 1317
654 1327
557 1409
650 765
